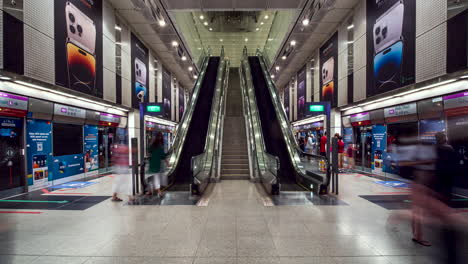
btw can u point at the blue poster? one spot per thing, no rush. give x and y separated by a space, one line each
379 148
348 135
69 165
91 156
39 150
429 128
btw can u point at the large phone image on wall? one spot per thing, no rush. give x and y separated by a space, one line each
328 91
140 72
388 45
81 30
387 67
388 28
328 69
81 69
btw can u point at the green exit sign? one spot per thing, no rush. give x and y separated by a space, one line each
153 108
317 108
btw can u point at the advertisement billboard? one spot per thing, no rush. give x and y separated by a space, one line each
391 44
166 93
78 46
301 93
329 71
140 72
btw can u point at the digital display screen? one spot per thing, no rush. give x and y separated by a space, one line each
316 108
153 108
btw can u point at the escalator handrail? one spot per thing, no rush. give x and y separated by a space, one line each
217 102
182 130
294 151
253 112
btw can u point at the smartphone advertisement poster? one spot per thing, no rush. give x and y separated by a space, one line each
140 72
391 44
39 152
166 93
329 71
181 102
286 101
78 45
301 93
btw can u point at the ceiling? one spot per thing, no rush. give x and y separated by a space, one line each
231 5
231 30
310 38
138 14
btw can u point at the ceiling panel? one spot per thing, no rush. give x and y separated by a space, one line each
347 4
335 15
143 29
251 4
216 4
122 4
284 4
231 4
133 16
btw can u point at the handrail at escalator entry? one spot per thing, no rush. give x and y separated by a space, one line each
180 173
267 166
203 164
312 172
179 139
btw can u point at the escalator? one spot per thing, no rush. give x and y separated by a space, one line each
293 171
274 140
195 125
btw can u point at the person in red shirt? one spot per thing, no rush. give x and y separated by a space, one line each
341 147
323 144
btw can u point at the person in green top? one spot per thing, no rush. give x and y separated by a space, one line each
155 172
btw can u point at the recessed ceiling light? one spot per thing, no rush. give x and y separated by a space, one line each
266 17
184 58
305 22
261 23
190 68
221 40
272 76
257 29
277 68
162 23
293 43
211 29
205 23
195 77
202 17
175 43
246 39
284 57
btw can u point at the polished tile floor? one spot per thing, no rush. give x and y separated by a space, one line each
234 226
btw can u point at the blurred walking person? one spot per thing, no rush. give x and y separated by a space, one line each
122 174
155 175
